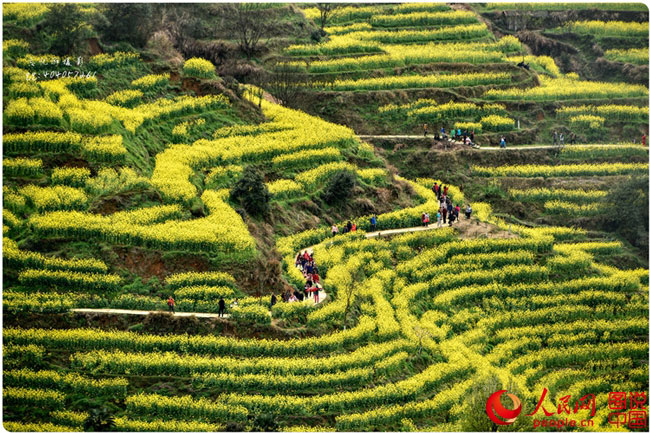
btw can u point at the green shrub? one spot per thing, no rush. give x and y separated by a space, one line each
339 187
251 191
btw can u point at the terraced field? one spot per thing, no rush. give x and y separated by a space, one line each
120 193
449 51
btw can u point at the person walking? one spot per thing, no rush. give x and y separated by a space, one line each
222 307
444 191
316 299
335 230
438 218
373 222
444 215
170 304
442 132
471 136
502 144
452 218
468 211
423 219
435 188
562 139
426 129
554 138
457 211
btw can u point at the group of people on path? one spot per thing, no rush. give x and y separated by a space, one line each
559 138
349 227
447 211
307 265
467 137
171 303
352 226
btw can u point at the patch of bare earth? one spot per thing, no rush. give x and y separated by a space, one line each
474 229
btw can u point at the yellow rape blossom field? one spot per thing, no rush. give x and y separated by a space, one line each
325 217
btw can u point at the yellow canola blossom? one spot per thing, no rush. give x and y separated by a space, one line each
24 167
447 33
637 56
422 19
222 232
176 164
199 68
70 176
150 81
553 89
610 169
54 197
285 188
420 81
608 28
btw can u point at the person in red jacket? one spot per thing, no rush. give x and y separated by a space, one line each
170 304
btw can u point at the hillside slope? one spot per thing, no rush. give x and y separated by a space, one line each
159 178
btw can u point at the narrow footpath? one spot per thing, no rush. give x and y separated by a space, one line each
493 148
322 295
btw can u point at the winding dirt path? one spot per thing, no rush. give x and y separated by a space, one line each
510 147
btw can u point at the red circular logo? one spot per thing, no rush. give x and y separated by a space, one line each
494 405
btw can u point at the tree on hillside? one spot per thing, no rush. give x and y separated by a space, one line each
356 280
128 22
64 23
251 191
627 211
250 25
326 10
284 81
185 25
339 187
